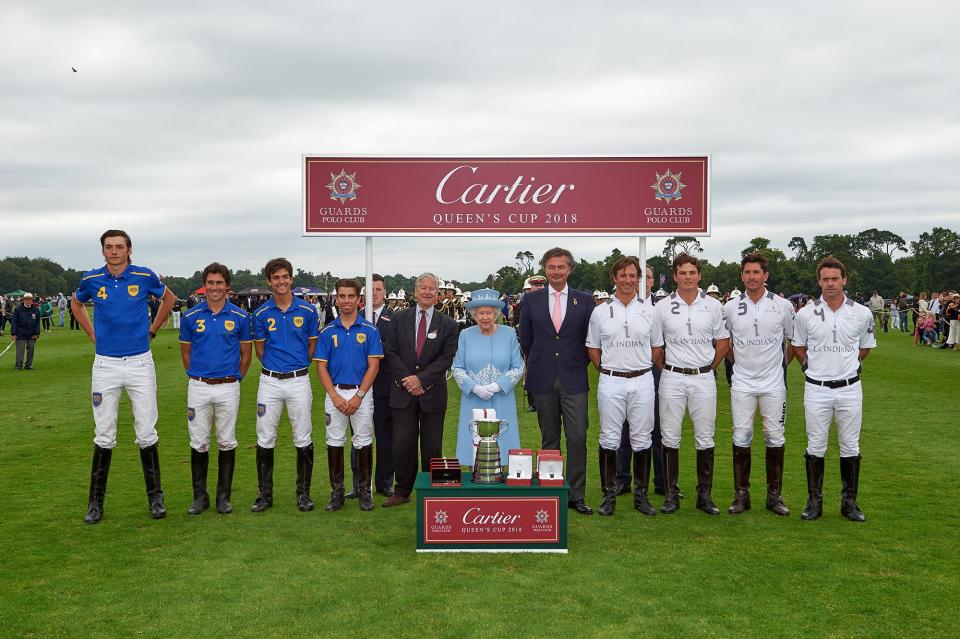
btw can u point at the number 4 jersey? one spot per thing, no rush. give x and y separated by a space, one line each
121 316
833 339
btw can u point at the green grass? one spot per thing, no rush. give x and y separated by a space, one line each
356 574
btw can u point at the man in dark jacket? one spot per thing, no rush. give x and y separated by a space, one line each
25 330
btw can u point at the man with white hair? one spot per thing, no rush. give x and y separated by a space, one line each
419 345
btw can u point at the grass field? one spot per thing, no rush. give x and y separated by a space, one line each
286 573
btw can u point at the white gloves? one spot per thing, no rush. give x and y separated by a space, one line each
486 391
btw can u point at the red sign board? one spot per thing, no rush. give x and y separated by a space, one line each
371 196
491 520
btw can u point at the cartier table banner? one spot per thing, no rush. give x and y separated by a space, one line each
487 517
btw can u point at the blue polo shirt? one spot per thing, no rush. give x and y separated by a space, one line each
121 316
345 350
286 334
215 339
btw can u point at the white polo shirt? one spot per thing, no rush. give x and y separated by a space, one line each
687 331
833 339
757 334
623 334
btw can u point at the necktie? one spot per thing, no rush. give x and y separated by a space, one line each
557 316
421 332
376 318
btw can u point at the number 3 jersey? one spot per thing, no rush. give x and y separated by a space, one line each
689 330
757 338
833 339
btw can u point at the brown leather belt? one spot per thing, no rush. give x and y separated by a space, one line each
688 371
607 371
215 380
347 386
276 375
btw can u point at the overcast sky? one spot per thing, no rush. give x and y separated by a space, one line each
185 122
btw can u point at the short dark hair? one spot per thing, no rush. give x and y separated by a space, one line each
558 252
682 259
377 278
115 233
276 264
347 283
831 262
623 263
755 258
218 269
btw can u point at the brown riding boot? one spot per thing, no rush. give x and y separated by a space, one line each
775 482
741 480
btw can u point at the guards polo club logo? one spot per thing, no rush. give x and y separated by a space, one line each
343 186
542 517
97 398
440 517
261 410
668 186
191 414
229 324
133 289
298 321
361 338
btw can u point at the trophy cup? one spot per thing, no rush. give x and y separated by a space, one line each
486 467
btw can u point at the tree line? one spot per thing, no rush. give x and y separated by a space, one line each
876 260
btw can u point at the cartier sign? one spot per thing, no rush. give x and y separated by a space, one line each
370 196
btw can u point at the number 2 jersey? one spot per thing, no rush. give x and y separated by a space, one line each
688 331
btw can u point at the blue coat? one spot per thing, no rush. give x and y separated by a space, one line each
550 354
25 323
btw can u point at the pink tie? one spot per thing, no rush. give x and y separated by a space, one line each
557 316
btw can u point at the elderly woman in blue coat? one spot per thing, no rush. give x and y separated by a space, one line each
487 366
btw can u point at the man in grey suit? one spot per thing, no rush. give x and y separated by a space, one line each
420 344
553 333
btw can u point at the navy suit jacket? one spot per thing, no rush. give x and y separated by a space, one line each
382 382
432 365
551 354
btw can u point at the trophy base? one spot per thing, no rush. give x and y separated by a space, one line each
488 476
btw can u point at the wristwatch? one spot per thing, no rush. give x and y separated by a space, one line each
361 394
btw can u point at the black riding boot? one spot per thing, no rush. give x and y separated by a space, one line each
304 477
641 481
850 478
365 476
150 460
705 482
671 473
225 461
264 480
608 477
741 480
199 462
98 483
814 507
775 482
335 467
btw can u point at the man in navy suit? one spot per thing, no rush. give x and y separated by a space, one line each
553 333
420 344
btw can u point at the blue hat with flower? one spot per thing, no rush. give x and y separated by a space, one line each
484 297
